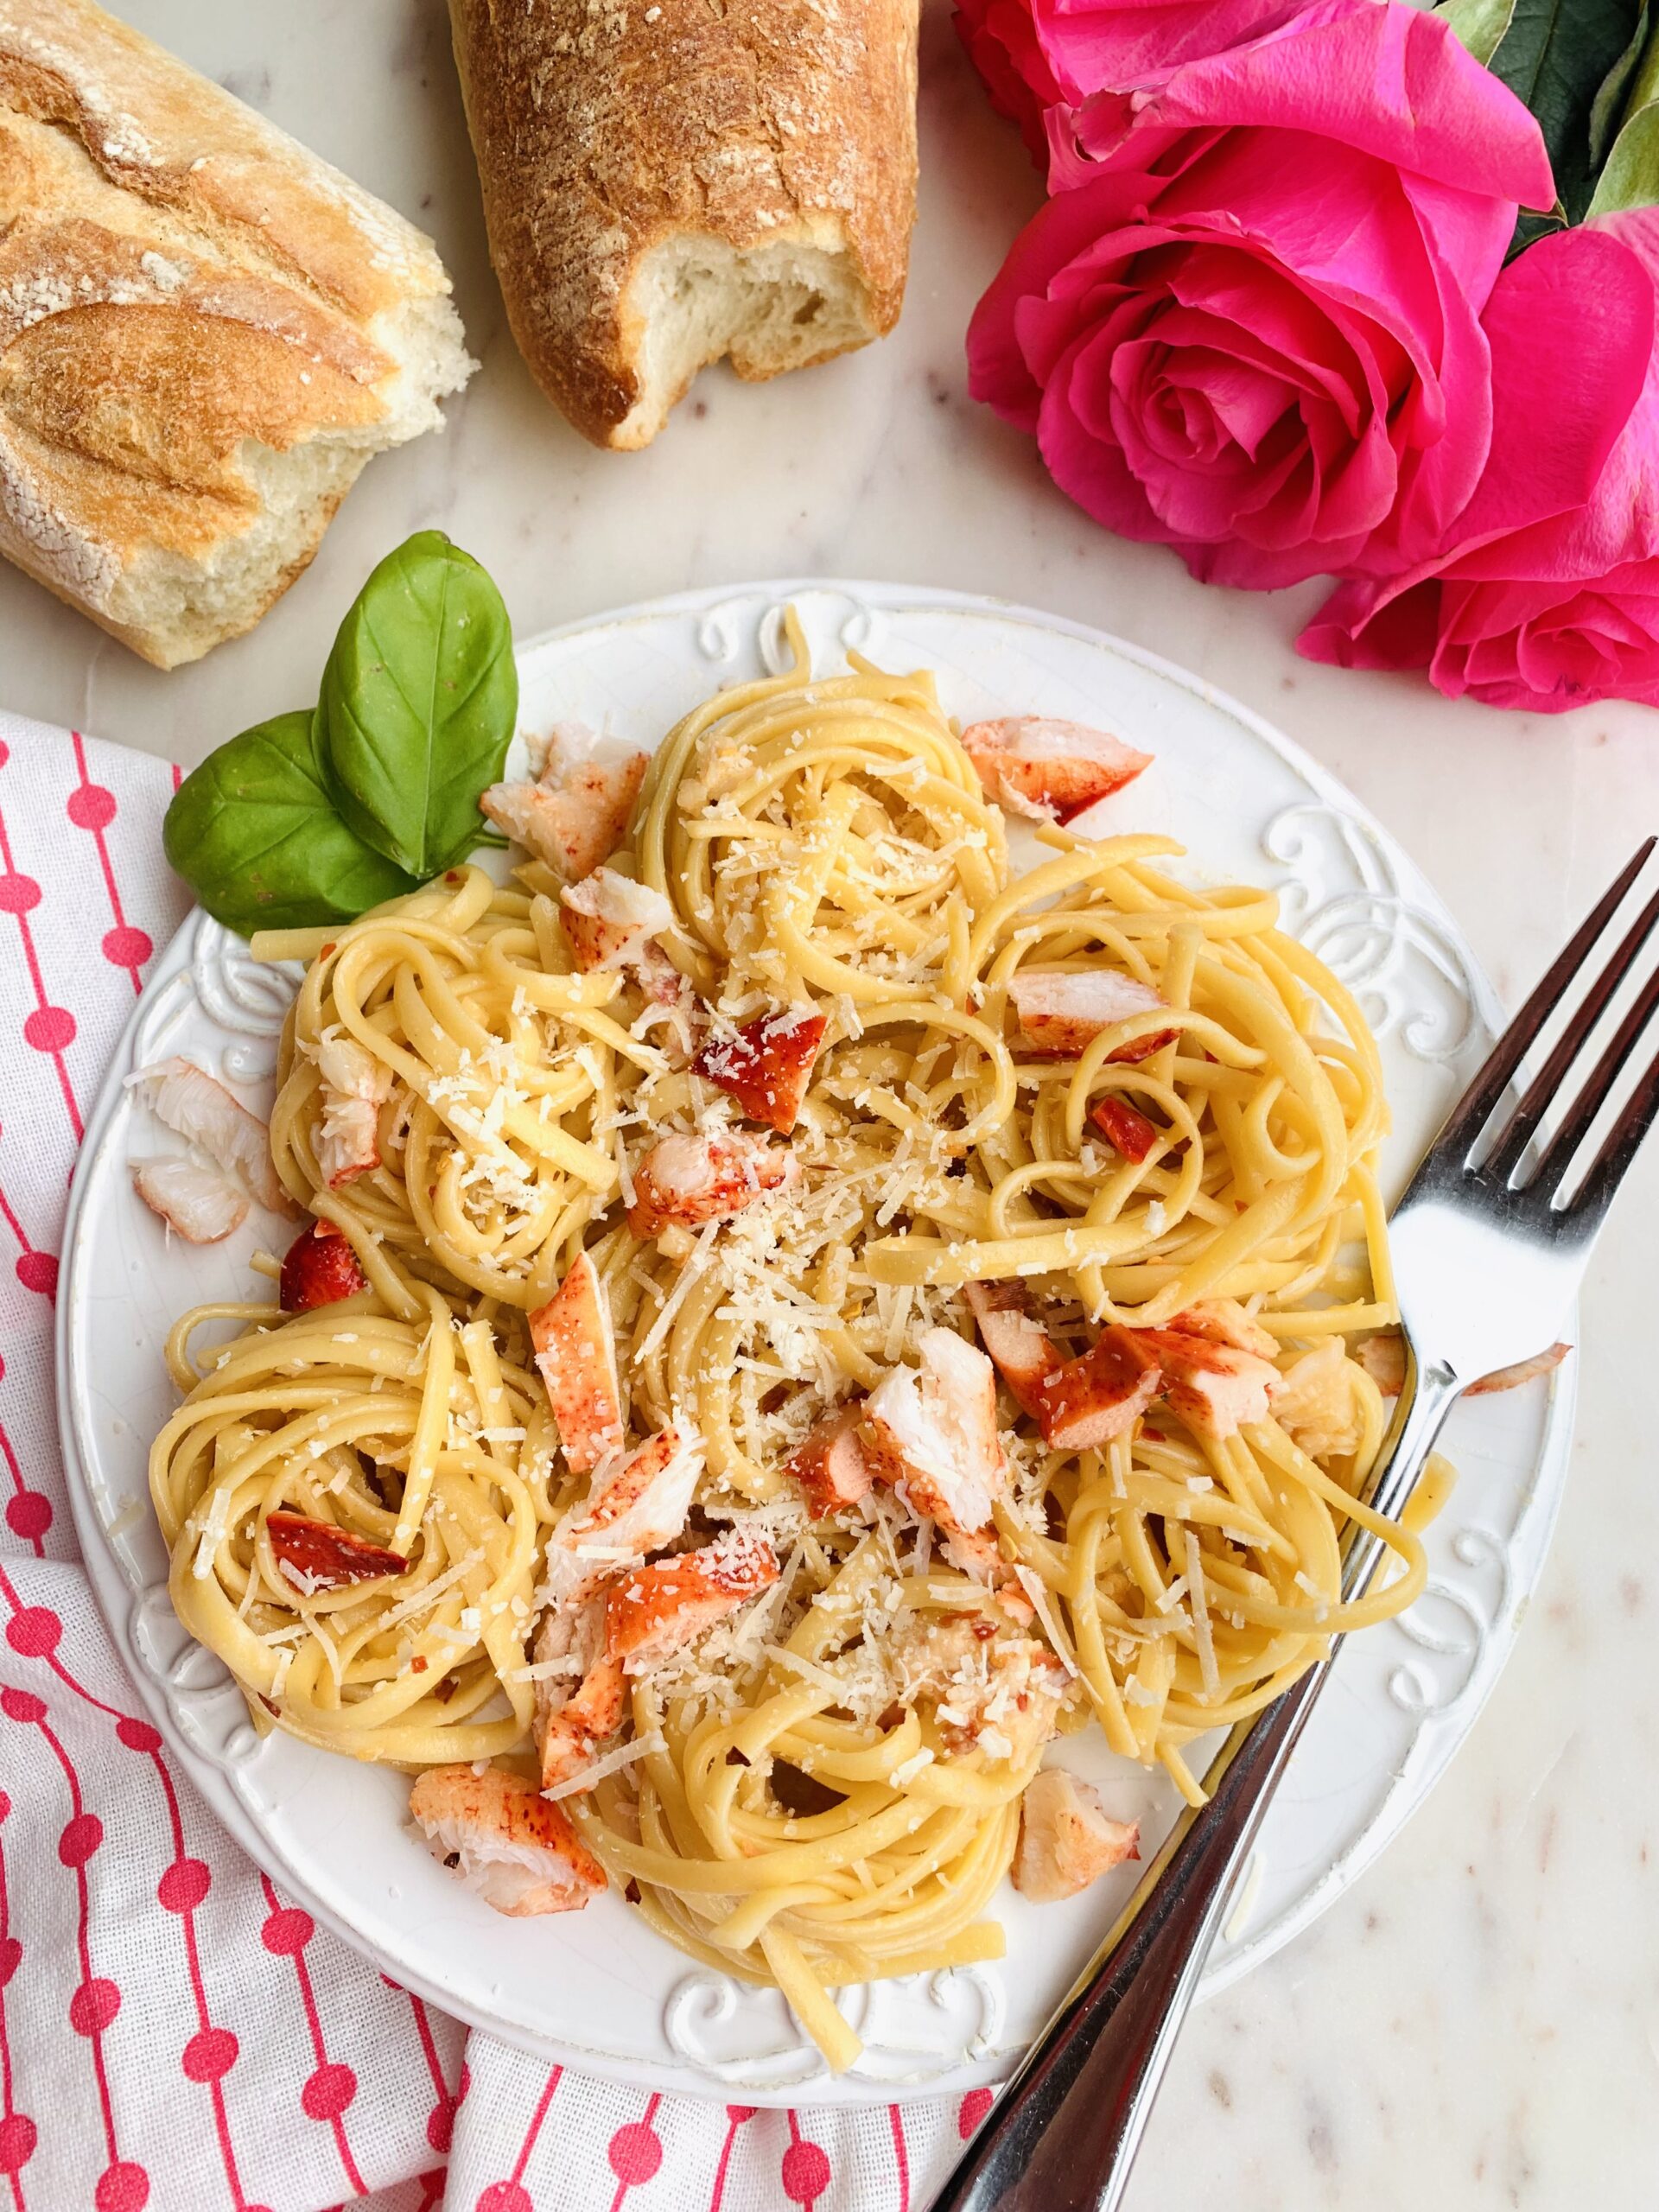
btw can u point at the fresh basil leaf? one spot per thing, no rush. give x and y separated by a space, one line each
1631 178
419 700
254 833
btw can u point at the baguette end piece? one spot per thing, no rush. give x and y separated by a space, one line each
695 299
690 183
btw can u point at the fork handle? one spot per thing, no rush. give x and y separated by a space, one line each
1066 2131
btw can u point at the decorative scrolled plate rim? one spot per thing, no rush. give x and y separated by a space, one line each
941 2033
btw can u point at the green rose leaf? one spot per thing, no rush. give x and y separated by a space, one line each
1479 23
419 701
255 834
1570 62
1631 178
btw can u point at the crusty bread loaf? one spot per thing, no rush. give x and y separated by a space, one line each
667 184
205 332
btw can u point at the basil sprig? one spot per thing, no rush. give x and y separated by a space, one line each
255 834
315 816
418 703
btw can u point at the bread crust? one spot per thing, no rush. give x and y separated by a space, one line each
188 300
606 128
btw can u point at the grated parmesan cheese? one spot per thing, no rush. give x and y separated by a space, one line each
1032 1583
1200 1610
215 1528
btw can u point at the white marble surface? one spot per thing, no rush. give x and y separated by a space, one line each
1477 2025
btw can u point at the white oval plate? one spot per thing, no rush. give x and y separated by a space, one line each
598 1990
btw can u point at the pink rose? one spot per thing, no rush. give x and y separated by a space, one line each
1252 331
1545 594
1035 54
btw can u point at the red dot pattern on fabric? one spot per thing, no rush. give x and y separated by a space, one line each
5 1805
93 2006
327 2092
22 1705
28 1514
183 1886
635 2153
10 1952
974 2105
92 807
33 1632
19 895
806 2172
288 1931
504 2197
138 1735
210 2054
738 2113
440 2124
50 1029
80 1838
127 947
17 2142
121 2188
39 1270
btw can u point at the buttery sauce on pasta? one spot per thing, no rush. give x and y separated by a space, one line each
824 1787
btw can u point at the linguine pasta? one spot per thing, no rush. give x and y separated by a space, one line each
818 1780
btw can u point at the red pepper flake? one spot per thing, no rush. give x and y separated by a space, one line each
452 875
321 1269
315 1556
1128 1132
767 1065
417 1664
326 951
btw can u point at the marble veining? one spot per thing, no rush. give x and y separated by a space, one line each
1476 2024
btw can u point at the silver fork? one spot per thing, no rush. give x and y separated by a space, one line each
1490 1243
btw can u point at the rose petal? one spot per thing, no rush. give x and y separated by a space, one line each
1388 81
1089 43
1571 325
1003 46
1363 625
1010 353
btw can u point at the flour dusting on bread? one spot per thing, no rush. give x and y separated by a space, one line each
204 334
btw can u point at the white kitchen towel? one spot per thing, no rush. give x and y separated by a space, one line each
175 2036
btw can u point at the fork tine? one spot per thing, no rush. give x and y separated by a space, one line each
1557 1161
1624 1139
1474 1110
1546 1087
